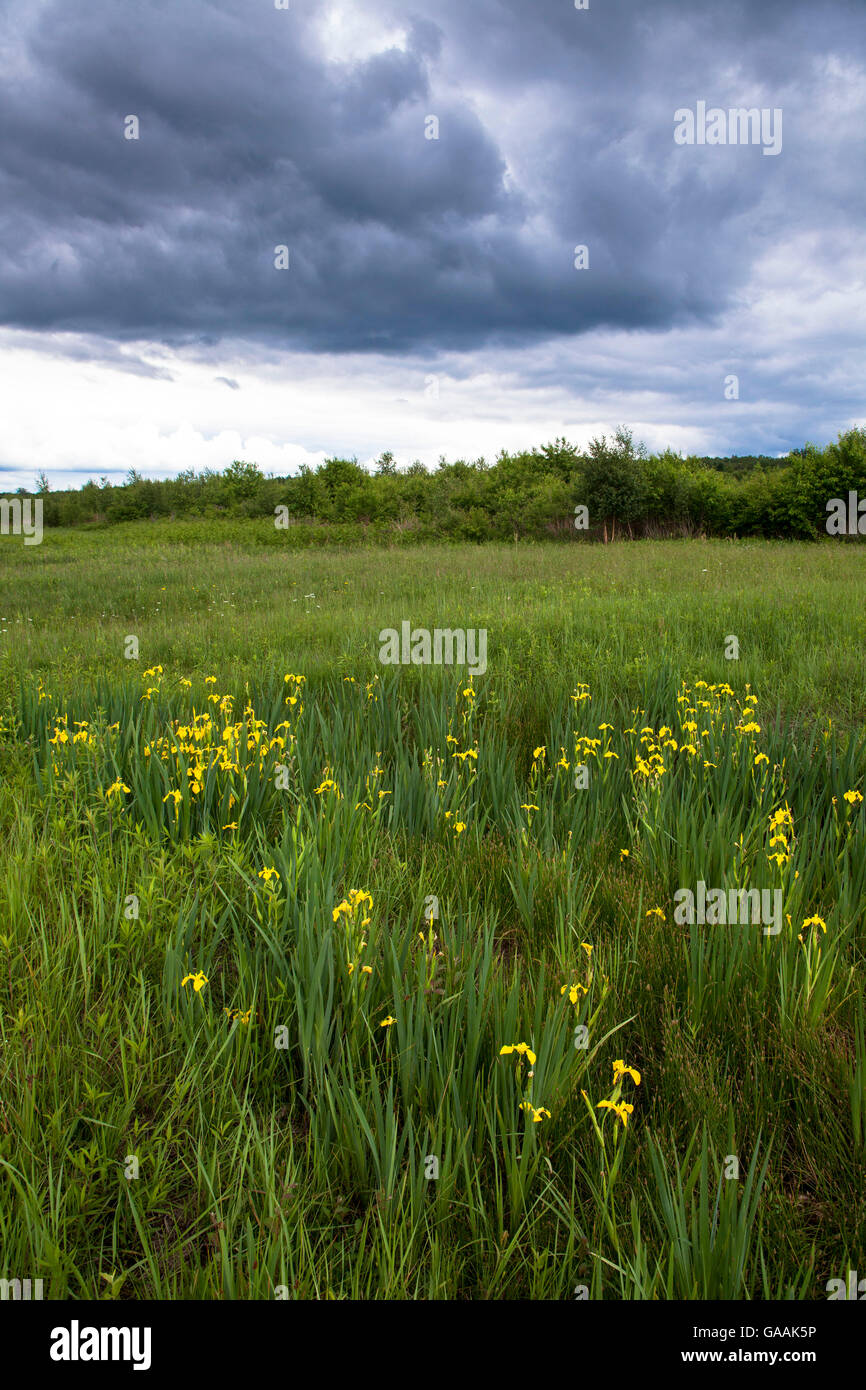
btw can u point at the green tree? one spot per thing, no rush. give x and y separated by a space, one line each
242 480
615 479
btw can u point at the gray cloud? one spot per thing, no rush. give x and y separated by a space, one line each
555 128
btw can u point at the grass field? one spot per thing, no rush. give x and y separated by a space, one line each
270 911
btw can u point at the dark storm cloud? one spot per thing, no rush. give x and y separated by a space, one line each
555 128
95 351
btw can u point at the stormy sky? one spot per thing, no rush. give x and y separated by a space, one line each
430 170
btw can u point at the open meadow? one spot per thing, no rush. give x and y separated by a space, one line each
327 978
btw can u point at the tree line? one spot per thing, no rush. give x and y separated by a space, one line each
535 494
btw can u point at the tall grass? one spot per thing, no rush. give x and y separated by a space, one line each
421 947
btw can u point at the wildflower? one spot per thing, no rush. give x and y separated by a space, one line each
328 785
386 1022
522 1048
115 787
573 991
815 922
760 758
623 854
852 797
657 912
537 1115
199 980
268 874
622 1110
620 1070
242 1016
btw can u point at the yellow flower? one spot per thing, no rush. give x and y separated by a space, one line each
537 1115
622 1110
574 992
815 922
623 854
199 980
328 785
386 1022
620 1070
852 797
115 787
657 912
760 758
522 1048
268 874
